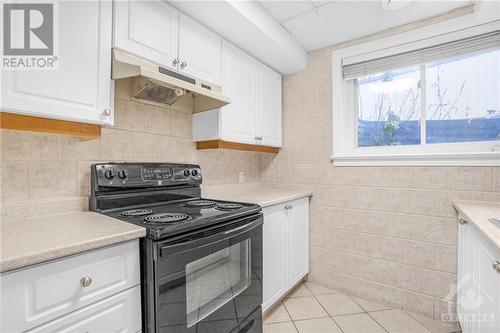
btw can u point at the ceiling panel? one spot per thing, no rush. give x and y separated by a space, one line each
283 10
317 24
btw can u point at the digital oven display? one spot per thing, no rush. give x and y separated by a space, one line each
157 173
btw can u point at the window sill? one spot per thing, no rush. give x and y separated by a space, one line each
451 159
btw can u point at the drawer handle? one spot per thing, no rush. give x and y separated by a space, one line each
85 281
496 266
462 221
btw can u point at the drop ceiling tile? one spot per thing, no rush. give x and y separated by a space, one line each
282 10
341 21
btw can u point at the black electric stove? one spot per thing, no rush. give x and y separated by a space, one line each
201 259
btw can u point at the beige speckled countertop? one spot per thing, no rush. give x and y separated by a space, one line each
478 213
34 240
263 196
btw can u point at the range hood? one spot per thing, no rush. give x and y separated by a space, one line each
152 83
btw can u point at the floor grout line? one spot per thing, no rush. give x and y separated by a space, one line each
328 315
377 322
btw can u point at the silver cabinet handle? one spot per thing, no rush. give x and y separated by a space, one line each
107 112
176 61
462 221
184 64
85 281
496 266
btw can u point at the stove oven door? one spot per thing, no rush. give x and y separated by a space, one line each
210 281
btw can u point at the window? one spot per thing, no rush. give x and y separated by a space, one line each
427 103
461 103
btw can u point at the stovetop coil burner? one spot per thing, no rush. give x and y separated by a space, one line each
137 212
201 203
228 206
167 217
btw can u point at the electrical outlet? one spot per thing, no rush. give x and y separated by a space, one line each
241 177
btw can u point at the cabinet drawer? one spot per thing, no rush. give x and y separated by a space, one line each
118 313
38 294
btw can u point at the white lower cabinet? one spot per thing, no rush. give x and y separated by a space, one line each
286 248
118 313
98 289
478 281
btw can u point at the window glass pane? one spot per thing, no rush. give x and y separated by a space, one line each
463 99
216 279
389 108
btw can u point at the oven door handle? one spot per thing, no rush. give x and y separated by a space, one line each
225 234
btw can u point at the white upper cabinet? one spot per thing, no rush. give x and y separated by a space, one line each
80 89
254 115
159 33
149 29
199 51
269 111
238 82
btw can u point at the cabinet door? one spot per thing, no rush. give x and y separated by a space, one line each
148 29
42 293
463 270
238 82
487 285
200 50
269 122
80 90
298 247
118 313
274 255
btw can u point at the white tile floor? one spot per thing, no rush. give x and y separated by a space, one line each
310 308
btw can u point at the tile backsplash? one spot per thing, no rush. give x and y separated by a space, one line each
43 166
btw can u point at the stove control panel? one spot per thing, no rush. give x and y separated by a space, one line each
151 173
144 175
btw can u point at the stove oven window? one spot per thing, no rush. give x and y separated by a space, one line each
216 279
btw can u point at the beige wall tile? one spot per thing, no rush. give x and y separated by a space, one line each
73 148
22 145
496 179
48 179
14 180
158 120
456 178
83 174
486 196
181 124
129 115
147 147
446 258
116 145
417 303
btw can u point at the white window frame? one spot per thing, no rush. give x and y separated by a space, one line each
344 117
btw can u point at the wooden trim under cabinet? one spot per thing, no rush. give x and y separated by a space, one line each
46 125
221 144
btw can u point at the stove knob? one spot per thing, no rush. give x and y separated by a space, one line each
108 174
187 173
122 174
194 172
